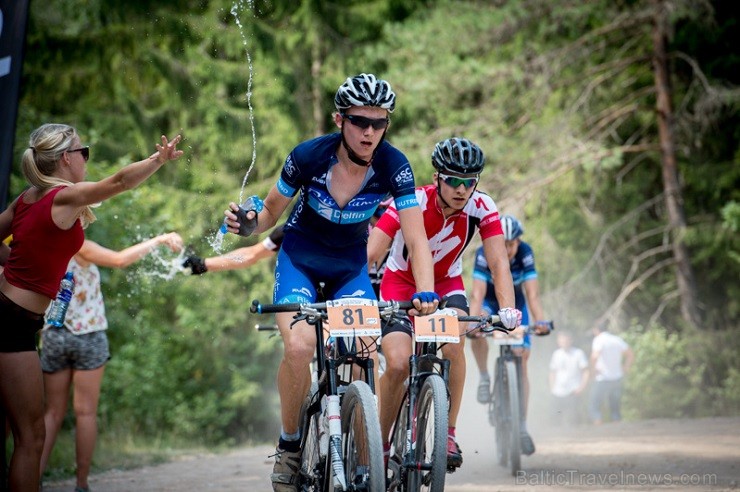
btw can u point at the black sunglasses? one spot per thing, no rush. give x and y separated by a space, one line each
363 123
84 150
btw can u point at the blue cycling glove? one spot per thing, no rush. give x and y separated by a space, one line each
425 296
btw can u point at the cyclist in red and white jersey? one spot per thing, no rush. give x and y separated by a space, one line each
454 211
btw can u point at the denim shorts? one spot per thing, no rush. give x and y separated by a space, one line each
61 349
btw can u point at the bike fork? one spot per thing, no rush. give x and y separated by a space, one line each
335 432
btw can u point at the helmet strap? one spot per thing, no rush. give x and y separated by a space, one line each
439 194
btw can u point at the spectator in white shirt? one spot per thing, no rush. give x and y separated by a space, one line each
611 359
568 378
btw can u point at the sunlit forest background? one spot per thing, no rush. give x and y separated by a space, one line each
631 204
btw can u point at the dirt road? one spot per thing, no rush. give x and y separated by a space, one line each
651 455
701 454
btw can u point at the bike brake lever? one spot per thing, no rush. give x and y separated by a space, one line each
297 318
485 327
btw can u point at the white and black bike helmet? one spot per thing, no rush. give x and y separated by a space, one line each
458 155
512 227
365 90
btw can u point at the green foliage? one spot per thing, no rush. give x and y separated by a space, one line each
679 375
558 94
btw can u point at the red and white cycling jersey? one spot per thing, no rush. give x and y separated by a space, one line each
448 237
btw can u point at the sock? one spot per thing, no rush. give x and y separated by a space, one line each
484 376
523 426
361 471
290 442
386 448
451 432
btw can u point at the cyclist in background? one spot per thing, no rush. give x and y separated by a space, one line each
453 211
342 177
484 301
239 258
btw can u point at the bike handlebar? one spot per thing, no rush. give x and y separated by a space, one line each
297 307
260 327
486 323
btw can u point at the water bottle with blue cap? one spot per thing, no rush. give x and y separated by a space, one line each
246 226
58 309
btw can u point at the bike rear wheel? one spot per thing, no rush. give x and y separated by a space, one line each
430 437
362 447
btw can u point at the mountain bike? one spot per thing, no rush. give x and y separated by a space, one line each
506 408
418 455
341 444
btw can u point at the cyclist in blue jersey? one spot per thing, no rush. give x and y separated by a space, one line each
342 178
526 293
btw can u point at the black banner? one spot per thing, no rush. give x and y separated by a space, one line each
13 21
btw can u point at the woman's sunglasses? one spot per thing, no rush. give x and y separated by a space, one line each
456 181
85 151
363 123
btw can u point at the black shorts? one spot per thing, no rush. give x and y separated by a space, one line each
402 322
18 327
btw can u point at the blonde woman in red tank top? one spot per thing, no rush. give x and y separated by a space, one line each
46 223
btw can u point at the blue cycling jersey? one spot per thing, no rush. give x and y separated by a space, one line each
327 243
317 215
522 269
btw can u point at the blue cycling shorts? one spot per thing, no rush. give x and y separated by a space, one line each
302 265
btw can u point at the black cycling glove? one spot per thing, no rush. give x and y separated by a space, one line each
246 226
196 264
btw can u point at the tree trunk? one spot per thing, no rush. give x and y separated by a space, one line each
316 63
673 197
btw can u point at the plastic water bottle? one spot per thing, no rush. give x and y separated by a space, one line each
59 306
252 203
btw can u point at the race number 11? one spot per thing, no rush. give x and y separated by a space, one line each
441 326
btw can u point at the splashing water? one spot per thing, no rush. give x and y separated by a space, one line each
161 263
216 241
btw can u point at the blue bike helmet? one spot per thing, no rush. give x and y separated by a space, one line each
512 227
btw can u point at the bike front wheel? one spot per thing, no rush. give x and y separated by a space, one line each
430 437
312 473
362 447
515 441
